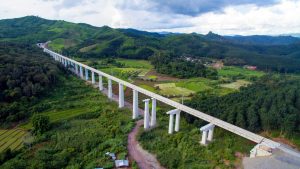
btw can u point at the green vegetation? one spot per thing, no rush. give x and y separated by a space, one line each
238 72
236 85
83 124
40 123
271 103
168 64
197 84
185 151
147 87
23 79
79 141
134 63
124 73
171 90
204 85
11 139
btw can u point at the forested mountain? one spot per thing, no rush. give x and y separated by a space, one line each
272 103
87 41
33 29
264 40
25 75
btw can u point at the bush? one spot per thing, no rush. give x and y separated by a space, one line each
40 123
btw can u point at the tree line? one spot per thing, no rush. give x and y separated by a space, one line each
272 103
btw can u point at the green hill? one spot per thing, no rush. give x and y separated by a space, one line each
84 40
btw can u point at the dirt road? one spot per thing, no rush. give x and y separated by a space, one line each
143 158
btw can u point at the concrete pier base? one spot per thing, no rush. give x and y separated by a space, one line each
146 114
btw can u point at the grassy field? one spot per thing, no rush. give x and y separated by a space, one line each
125 73
171 90
12 138
196 84
236 85
147 87
230 71
59 44
134 63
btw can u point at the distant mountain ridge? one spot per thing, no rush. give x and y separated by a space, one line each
264 39
280 53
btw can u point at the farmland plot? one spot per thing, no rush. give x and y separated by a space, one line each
12 139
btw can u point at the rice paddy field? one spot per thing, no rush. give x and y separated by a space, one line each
12 138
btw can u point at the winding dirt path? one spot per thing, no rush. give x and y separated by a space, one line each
143 158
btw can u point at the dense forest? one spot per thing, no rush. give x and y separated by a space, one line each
25 75
272 103
179 67
280 54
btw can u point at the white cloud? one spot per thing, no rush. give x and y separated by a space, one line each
276 18
249 19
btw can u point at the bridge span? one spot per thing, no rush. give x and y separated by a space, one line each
78 69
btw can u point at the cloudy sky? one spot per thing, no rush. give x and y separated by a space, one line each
245 17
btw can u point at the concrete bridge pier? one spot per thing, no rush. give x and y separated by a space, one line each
86 74
172 113
76 70
81 72
121 95
207 133
153 113
146 114
177 121
100 83
135 106
93 77
109 89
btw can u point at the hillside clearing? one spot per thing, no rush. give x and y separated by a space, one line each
236 85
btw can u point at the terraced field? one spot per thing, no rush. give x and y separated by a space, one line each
12 139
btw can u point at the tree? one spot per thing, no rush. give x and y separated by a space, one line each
41 123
